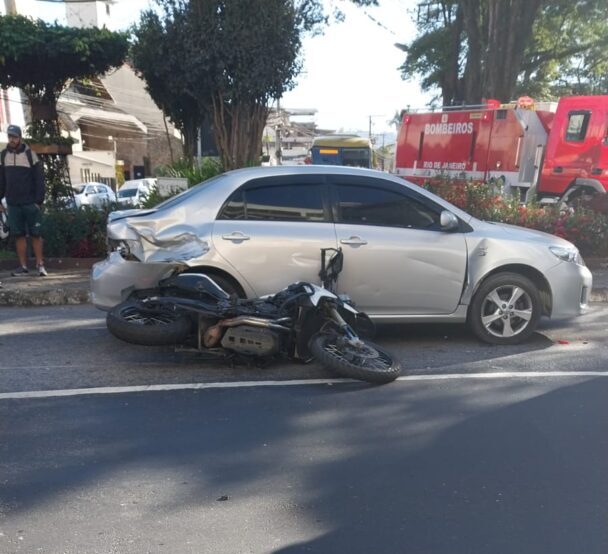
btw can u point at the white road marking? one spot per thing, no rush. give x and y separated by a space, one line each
295 382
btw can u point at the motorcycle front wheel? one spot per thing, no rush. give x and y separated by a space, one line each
366 362
136 324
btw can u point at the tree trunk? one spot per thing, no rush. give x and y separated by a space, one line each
450 90
189 130
238 130
509 30
472 79
168 139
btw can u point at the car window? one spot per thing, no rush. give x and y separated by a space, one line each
234 208
90 190
292 202
100 189
363 205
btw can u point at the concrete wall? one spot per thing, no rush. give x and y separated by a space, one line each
91 166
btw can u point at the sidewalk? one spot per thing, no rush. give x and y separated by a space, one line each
72 287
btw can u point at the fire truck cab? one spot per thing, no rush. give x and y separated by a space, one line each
530 149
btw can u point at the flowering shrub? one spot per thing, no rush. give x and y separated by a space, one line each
586 228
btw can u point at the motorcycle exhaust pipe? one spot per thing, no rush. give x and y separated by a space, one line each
213 335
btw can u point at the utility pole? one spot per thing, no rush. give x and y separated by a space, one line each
370 124
11 8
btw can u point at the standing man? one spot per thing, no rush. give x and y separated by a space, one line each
22 183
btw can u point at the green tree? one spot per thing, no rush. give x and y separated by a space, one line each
567 54
227 60
40 59
159 57
471 49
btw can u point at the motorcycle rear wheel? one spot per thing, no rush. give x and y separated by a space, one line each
135 324
369 363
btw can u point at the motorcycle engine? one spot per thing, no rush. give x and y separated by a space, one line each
252 341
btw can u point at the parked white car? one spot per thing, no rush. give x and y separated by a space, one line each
96 195
133 193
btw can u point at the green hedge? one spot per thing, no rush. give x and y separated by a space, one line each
75 233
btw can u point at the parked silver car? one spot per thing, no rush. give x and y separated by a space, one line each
409 256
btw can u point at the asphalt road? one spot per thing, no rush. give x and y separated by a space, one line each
480 450
69 347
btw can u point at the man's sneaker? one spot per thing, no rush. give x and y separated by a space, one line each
20 271
41 271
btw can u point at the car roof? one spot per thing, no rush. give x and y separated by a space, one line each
269 171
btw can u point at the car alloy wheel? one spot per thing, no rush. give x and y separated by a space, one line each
506 311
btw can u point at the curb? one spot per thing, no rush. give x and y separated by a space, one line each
74 295
55 297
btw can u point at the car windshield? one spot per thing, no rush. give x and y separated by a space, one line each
79 190
127 193
187 194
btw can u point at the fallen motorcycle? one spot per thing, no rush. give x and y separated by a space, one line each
301 321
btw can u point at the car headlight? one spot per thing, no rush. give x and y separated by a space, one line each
567 254
128 249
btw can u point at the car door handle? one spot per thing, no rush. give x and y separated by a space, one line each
558 169
354 241
237 236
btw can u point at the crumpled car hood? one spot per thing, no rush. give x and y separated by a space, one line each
155 236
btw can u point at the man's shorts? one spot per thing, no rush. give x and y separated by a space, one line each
24 220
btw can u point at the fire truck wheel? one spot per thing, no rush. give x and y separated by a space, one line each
505 309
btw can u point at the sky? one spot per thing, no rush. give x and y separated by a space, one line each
350 72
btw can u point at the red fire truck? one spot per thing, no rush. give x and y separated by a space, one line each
534 149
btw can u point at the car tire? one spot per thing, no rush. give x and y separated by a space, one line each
505 309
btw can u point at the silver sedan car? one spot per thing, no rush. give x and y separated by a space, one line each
409 256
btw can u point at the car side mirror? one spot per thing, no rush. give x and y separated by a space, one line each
448 221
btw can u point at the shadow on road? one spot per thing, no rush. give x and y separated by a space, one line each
427 468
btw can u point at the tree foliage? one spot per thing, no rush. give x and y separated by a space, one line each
471 49
158 55
226 60
40 59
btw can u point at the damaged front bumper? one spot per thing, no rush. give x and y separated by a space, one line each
146 246
114 279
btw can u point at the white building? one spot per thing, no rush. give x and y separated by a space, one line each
89 14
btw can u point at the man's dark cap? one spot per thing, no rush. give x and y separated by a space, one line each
14 130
